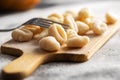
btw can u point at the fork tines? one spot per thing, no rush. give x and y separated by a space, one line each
38 22
43 22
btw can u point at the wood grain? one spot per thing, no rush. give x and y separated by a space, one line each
31 56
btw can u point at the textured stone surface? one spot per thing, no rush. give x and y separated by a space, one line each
104 65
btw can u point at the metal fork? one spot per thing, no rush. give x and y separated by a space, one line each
45 23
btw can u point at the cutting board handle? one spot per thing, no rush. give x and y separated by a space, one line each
22 66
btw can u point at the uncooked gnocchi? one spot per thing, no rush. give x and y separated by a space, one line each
84 13
49 44
43 33
82 27
73 14
89 22
69 20
99 27
56 17
52 38
110 18
22 35
33 28
58 32
77 42
71 33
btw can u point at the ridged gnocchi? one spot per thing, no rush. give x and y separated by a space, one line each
49 44
71 33
74 40
58 32
22 35
56 17
73 14
43 33
69 20
34 29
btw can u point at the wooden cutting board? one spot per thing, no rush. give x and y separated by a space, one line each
30 56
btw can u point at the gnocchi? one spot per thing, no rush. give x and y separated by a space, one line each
77 42
70 13
84 13
71 33
99 27
69 20
82 27
110 18
22 35
49 44
52 38
56 17
89 22
34 29
43 33
58 32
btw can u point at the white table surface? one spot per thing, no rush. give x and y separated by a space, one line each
104 65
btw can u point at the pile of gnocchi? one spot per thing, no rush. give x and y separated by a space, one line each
79 24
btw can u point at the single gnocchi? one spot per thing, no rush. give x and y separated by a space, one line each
58 32
56 17
34 29
82 27
77 42
22 35
69 20
43 33
110 18
71 33
84 13
99 27
73 14
89 21
49 44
